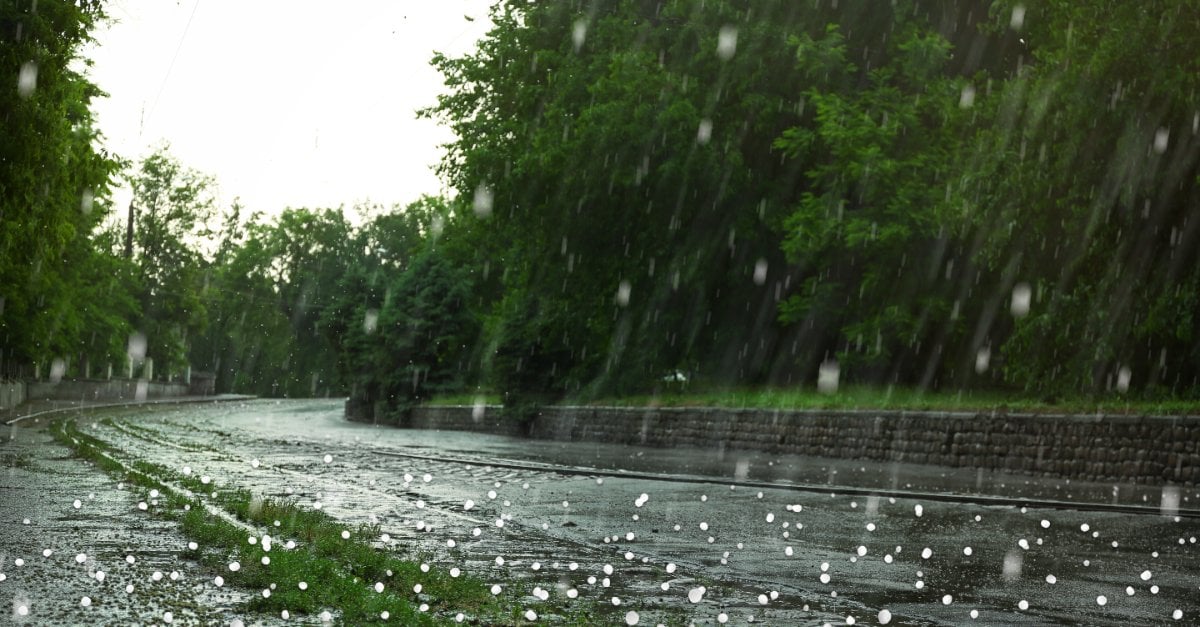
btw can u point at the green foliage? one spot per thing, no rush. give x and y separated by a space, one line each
417 342
172 206
738 191
53 193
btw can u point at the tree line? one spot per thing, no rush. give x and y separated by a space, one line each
942 195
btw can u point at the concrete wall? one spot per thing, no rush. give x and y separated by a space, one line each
104 390
1099 448
12 393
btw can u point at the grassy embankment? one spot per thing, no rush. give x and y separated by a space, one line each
331 566
863 397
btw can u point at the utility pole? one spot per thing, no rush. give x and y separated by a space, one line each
129 233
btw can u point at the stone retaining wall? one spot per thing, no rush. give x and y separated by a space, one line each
104 390
1146 449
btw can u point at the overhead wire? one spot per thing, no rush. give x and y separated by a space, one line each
171 67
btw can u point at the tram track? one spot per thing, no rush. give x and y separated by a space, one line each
941 497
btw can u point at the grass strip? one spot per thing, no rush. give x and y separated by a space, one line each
339 567
865 398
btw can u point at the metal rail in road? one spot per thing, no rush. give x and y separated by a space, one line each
945 497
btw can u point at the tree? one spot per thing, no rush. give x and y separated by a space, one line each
172 206
53 192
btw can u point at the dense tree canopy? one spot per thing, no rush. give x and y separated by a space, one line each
971 194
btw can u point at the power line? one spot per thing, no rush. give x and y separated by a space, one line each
171 67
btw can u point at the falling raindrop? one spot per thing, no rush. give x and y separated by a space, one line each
827 377
623 289
1021 295
579 34
27 79
966 98
483 201
727 42
1018 17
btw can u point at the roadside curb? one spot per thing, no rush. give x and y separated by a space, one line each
162 401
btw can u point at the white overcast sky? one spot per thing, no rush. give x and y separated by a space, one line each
287 103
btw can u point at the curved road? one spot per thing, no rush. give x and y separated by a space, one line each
695 536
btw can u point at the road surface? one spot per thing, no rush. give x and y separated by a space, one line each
706 537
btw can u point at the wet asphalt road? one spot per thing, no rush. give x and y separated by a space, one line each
671 551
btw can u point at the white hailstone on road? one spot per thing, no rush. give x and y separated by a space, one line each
328 458
1146 575
1051 579
632 618
695 594
234 566
885 616
455 572
80 558
1023 605
1045 524
926 553
670 567
468 505
85 601
530 615
77 504
967 551
919 510
1102 600
947 599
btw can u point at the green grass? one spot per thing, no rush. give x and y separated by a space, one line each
865 397
339 571
488 398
